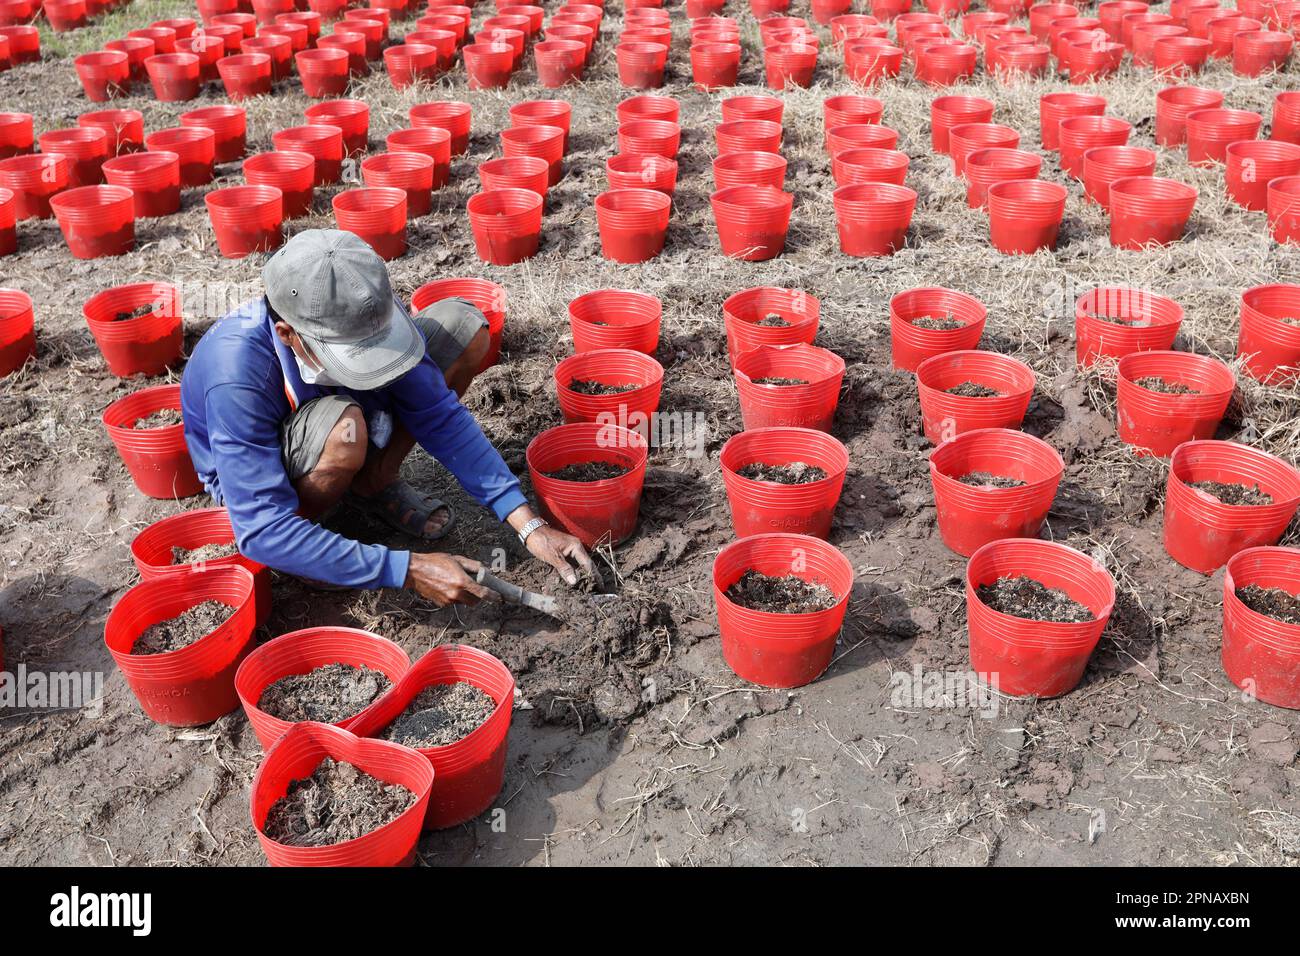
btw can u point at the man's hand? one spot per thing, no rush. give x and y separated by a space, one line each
445 579
558 550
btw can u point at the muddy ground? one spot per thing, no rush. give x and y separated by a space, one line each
634 742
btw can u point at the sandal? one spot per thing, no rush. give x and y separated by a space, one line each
404 509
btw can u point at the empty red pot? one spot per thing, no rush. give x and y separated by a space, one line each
870 60
195 684
144 345
1148 210
549 113
507 224
353 44
515 172
780 650
1201 532
633 223
949 111
96 220
649 136
409 63
1078 134
1252 164
16 135
1102 165
595 512
641 64
766 506
945 63
872 218
1283 207
647 171
324 71
860 136
488 65
410 172
790 64
24 42
104 74
1025 215
157 458
1209 131
1261 51
34 178
746 318
1156 422
1286 118
984 167
86 148
245 75
749 169
1261 654
768 108
945 415
1023 657
912 343
301 652
1173 103
865 165
17 330
850 108
621 367
432 141
125 128
1146 37
451 115
742 136
153 177
352 117
324 143
229 126
715 65
293 173
752 221
966 138
296 755
1181 56
559 62
207 47
277 46
195 146
1148 322
1269 337
377 214
544 142
1055 107
809 404
175 76
615 319
246 219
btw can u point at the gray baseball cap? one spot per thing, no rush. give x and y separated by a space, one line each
333 290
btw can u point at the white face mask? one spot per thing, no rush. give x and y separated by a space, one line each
312 376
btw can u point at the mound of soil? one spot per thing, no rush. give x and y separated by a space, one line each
586 387
163 418
208 552
1157 384
139 312
777 380
441 714
973 390
937 323
1024 597
773 321
328 694
795 473
780 595
986 479
588 471
183 629
1276 603
1234 493
336 803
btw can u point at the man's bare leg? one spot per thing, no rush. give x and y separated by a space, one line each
341 460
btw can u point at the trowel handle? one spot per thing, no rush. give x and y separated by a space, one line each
514 593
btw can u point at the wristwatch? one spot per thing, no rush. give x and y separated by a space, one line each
529 528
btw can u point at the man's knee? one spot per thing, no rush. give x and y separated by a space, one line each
462 371
345 448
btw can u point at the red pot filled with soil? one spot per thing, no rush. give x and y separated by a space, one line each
246 219
1269 333
1035 610
325 674
376 794
194 146
781 600
1210 131
429 140
229 125
1261 624
873 218
767 315
454 707
966 390
377 214
507 224
293 173
623 385
929 321
324 143
1025 215
137 327
646 171
96 221
1167 398
1055 107
195 540
588 479
1223 497
783 479
1253 164
990 484
410 172
174 76
1103 165
633 224
615 319
178 640
352 117
949 111
752 221
1149 211
794 386
17 330
147 430
1117 320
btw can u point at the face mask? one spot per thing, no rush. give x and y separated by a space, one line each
311 376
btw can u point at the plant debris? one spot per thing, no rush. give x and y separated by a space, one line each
973 390
441 714
938 323
1234 493
1157 384
336 803
780 595
586 387
207 552
794 473
778 381
588 471
330 693
1022 596
986 479
183 629
1274 602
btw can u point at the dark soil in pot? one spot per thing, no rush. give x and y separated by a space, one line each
139 312
937 323
585 387
777 380
794 473
1234 493
773 321
328 694
780 595
1274 602
1155 383
973 390
337 802
163 418
986 479
183 629
588 471
1022 596
441 714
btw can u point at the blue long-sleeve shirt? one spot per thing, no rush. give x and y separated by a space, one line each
238 387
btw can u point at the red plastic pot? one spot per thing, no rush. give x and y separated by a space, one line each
1210 131
1253 164
8 223
1146 37
209 9
231 35
752 221
139 346
1055 107
1260 52
301 652
594 511
154 179
742 313
507 224
764 506
810 405
633 223
208 48
276 45
267 10
515 38
432 141
195 684
353 44
151 550
352 117
64 16
984 167
559 62
790 64
912 344
1286 118
1091 61
824 11
867 166
746 136
544 142
641 64
175 76
768 108
1078 134
246 219
1269 339
870 60
610 367
1283 207
194 146
372 31
949 111
945 415
1201 532
324 71
1022 657
1261 654
780 650
970 137
1150 323
377 214
409 63
245 75
34 178
1148 210
515 172
488 65
860 136
229 127
749 169
1155 422
570 32
24 42
16 136
96 221
1012 59
854 26
971 516
324 143
124 128
410 172
1222 31
86 148
645 171
293 173
1103 165
296 755
451 115
311 19
715 66
246 22
1172 106
104 74
1112 13
1176 57
850 108
157 458
943 64
872 218
1025 215
17 330
548 113
615 319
